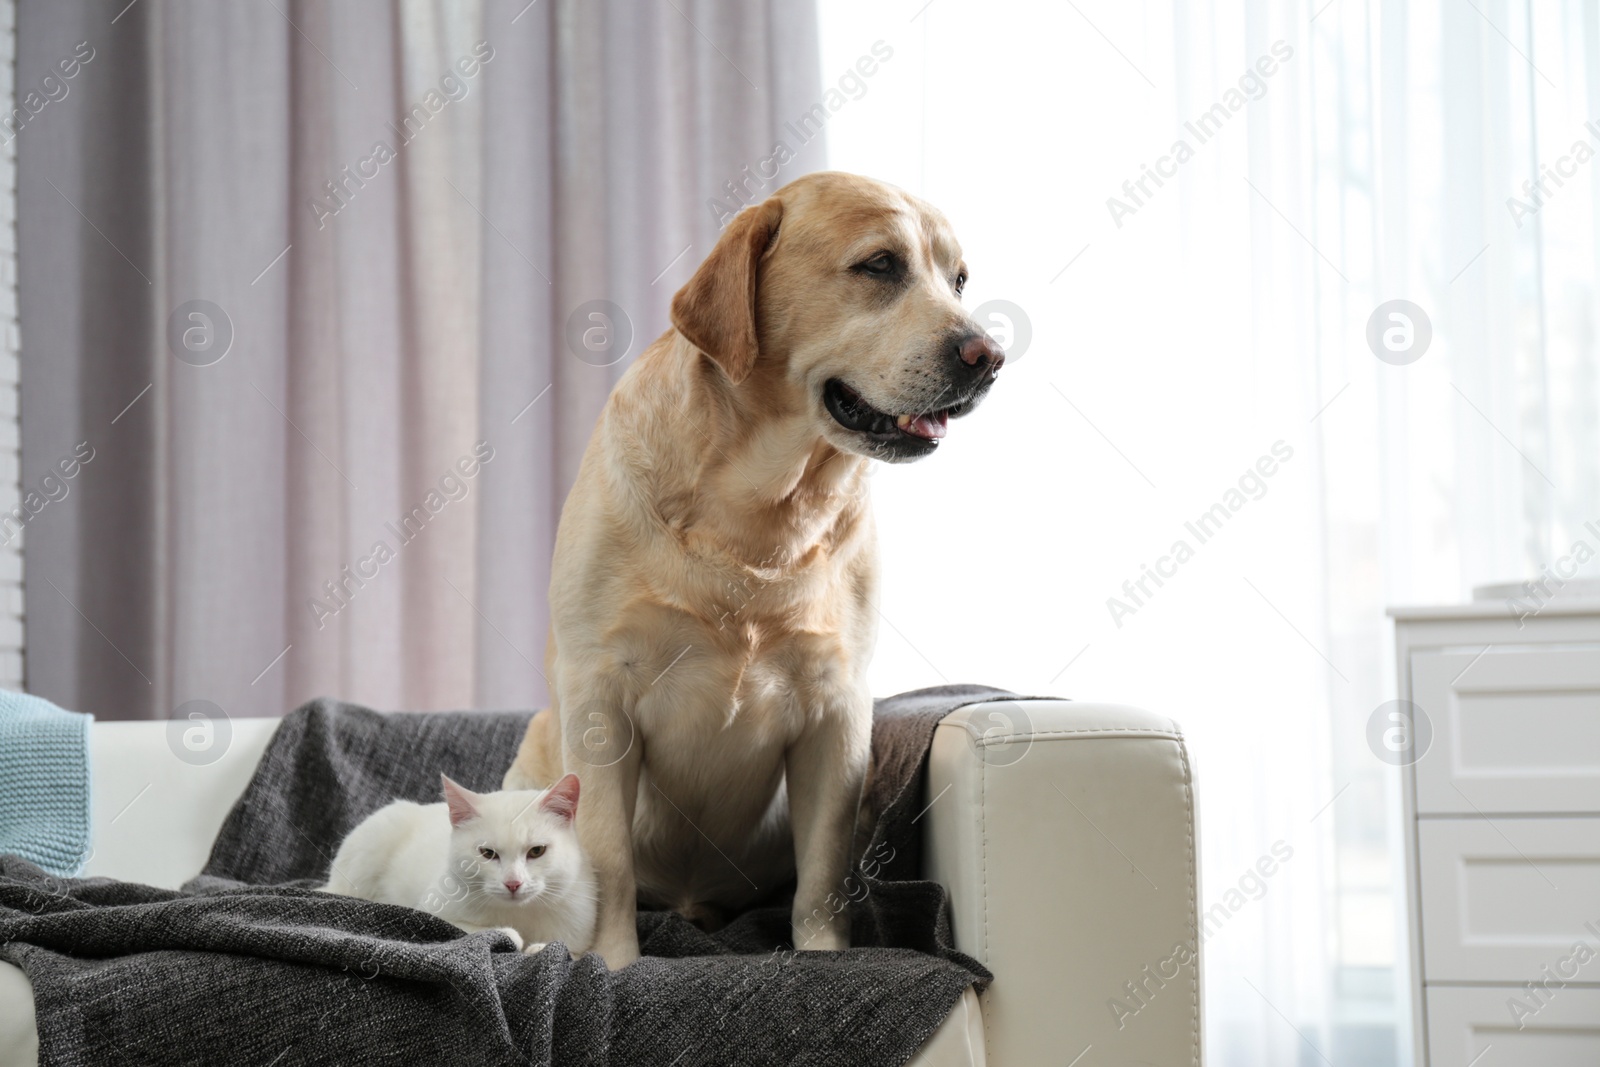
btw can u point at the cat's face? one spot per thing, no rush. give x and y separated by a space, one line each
514 846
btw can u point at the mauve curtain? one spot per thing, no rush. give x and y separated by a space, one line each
397 209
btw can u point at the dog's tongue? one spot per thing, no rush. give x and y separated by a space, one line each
930 427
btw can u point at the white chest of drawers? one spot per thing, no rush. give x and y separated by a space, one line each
1502 833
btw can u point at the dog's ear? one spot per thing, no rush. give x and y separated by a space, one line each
716 310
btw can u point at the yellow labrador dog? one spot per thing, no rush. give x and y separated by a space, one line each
713 599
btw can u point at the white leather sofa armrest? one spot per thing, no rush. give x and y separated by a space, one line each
1066 836
160 791
153 814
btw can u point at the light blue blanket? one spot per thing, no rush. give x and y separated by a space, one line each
44 783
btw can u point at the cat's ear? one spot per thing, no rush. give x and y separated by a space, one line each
562 799
461 801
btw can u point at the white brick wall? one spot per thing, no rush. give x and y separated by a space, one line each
10 367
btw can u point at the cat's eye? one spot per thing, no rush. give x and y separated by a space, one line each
536 851
488 853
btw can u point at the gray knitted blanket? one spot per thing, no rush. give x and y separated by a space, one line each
248 965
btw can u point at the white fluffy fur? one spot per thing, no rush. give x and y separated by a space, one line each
430 857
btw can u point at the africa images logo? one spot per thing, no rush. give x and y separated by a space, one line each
1251 86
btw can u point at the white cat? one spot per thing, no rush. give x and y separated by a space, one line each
508 860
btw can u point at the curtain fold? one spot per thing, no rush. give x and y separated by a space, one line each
301 275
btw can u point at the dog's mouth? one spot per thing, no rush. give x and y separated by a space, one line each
921 429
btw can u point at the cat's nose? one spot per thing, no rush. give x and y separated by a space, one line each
512 887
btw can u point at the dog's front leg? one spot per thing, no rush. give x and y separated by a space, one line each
825 770
606 756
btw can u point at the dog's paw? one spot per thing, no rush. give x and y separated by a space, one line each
533 948
516 938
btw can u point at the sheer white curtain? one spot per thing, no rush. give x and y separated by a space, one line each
1213 316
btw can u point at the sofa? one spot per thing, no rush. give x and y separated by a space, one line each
1068 846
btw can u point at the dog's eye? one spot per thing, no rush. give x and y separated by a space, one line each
488 853
961 282
882 263
536 851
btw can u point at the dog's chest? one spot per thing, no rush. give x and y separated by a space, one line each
719 715
739 653
723 669
747 680
754 603
711 819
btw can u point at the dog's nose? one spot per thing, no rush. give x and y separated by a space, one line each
981 352
512 887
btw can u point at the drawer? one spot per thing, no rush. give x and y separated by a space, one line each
1503 899
1478 1027
1514 730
